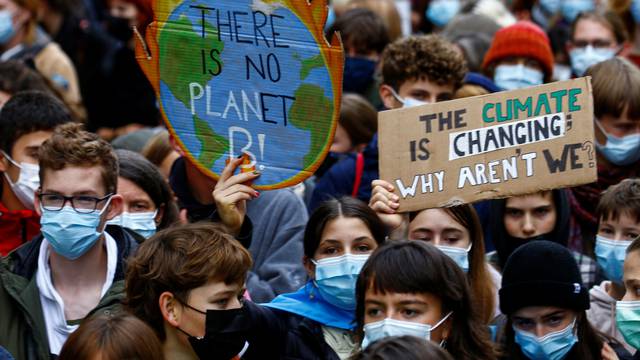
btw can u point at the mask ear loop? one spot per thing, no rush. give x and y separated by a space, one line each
395 95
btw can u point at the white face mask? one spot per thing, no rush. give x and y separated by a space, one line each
27 184
142 223
407 102
391 327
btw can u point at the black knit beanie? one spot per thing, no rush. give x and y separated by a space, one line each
542 273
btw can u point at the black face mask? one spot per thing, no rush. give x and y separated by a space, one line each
119 28
224 337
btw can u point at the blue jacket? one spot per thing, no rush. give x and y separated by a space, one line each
340 178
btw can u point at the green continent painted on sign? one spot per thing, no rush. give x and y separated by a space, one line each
310 64
213 145
312 111
180 58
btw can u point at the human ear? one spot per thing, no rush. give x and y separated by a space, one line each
159 215
115 206
169 309
309 266
386 95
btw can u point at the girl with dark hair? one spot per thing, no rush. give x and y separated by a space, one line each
456 231
412 288
149 205
545 301
543 215
317 321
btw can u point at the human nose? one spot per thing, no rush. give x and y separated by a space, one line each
528 227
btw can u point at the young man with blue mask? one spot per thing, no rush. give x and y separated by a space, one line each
26 121
415 70
544 300
520 56
619 214
616 90
76 268
594 38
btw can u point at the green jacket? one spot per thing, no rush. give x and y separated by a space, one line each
22 324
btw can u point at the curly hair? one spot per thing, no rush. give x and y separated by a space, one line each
429 57
178 260
71 146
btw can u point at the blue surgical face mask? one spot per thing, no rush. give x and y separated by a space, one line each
550 6
620 151
7 30
628 321
635 10
358 74
142 223
610 255
391 327
460 256
407 102
440 12
336 279
511 77
553 346
585 57
572 8
71 234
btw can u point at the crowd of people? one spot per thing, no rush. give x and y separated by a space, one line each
115 245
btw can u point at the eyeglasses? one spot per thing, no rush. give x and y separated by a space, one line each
83 204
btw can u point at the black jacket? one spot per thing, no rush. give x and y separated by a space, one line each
277 334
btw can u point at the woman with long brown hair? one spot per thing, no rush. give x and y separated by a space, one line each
456 231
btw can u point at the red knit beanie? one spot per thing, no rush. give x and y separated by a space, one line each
524 39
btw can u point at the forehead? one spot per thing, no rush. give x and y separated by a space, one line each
394 297
435 220
592 29
73 180
8 4
130 190
632 266
345 226
32 139
424 85
530 201
532 312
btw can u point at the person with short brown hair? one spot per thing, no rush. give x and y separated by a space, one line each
112 337
618 212
178 276
77 266
357 124
415 70
594 38
616 105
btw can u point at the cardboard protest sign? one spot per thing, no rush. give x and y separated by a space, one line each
489 146
252 76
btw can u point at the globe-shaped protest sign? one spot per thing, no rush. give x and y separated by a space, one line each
246 76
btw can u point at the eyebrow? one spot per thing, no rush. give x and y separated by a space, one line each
75 193
331 241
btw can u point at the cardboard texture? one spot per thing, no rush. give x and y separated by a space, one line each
252 76
490 146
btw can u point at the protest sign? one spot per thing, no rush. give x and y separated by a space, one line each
489 146
252 76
